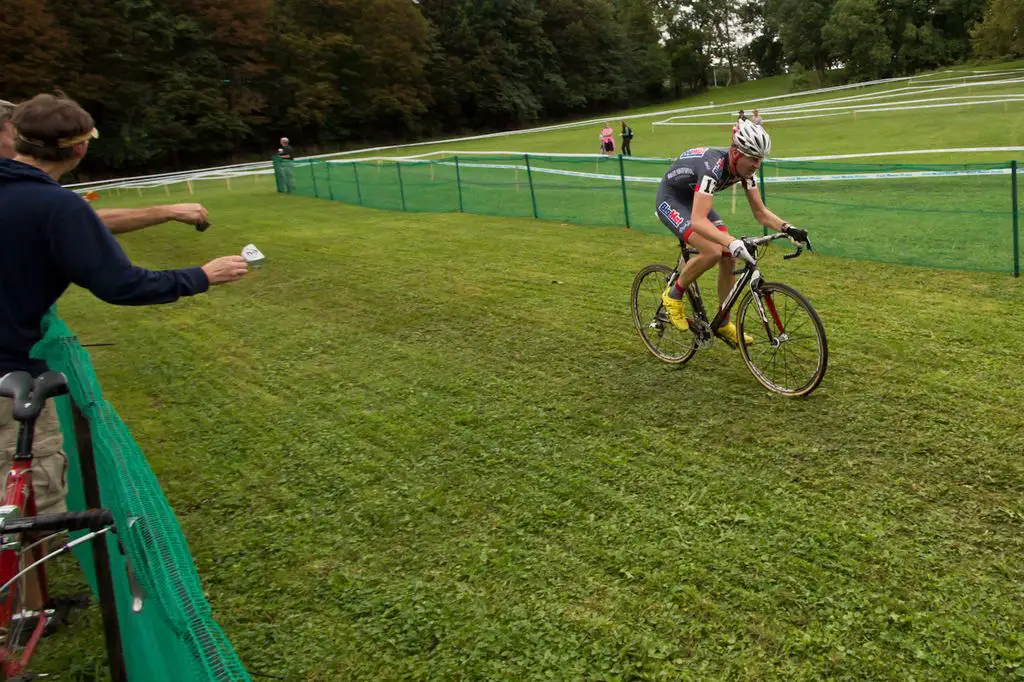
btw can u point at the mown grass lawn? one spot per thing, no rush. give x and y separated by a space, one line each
432 447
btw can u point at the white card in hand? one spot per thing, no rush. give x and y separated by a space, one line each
253 256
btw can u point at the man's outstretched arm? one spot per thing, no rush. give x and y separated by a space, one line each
122 220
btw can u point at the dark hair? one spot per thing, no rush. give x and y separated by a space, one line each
49 126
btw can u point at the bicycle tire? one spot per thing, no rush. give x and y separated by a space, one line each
757 331
652 323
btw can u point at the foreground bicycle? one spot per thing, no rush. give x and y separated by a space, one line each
23 553
789 354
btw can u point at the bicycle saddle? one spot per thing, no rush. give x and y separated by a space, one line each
30 395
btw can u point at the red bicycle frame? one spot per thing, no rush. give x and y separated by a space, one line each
18 493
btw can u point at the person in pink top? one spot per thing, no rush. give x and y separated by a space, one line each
608 139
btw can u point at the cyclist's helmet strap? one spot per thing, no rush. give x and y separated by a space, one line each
752 140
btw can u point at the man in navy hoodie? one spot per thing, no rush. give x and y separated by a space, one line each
51 238
117 220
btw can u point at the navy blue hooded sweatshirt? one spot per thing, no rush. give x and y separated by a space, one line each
51 238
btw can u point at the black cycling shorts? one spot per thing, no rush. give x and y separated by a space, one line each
677 215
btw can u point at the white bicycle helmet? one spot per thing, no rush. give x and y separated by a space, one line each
752 140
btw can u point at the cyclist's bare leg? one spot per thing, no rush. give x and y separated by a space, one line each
710 253
725 279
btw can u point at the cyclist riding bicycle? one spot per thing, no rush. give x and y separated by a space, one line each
684 206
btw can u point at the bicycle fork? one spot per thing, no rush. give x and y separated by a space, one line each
769 303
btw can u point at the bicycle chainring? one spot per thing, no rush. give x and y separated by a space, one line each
702 331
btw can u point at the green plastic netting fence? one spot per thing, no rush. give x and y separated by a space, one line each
174 638
957 216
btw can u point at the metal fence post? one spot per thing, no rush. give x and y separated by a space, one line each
312 174
355 173
529 176
330 190
458 182
1016 220
625 203
100 555
401 186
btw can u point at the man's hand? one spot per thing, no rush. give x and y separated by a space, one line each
798 236
225 269
190 214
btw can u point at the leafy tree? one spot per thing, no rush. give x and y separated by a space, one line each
33 51
855 34
766 52
1001 32
801 25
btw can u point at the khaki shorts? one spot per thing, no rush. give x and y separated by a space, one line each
49 463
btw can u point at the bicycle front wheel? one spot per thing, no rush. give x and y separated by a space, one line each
790 352
662 338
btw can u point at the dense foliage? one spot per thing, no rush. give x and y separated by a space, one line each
178 82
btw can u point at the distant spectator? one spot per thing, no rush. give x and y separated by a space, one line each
757 119
117 220
627 138
743 117
608 139
286 151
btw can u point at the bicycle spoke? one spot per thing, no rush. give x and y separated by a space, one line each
788 368
661 337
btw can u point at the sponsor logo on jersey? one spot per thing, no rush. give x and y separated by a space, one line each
696 151
670 213
672 175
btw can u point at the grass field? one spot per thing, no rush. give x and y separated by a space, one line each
949 222
432 447
995 125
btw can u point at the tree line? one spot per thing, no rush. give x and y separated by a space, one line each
173 83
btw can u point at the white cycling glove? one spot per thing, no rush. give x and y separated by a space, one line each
739 250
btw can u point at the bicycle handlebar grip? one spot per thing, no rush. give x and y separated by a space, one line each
70 521
202 227
796 253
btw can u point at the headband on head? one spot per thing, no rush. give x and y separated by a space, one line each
63 142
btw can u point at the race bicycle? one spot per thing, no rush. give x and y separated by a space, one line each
26 539
789 353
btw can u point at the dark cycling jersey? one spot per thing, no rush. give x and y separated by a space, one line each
702 169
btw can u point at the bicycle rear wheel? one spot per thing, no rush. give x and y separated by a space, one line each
789 355
662 338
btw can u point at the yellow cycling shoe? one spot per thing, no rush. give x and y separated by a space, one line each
676 312
729 332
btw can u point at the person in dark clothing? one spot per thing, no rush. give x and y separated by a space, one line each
117 220
627 138
51 238
286 151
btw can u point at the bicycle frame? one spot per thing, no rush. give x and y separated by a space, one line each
18 493
749 275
